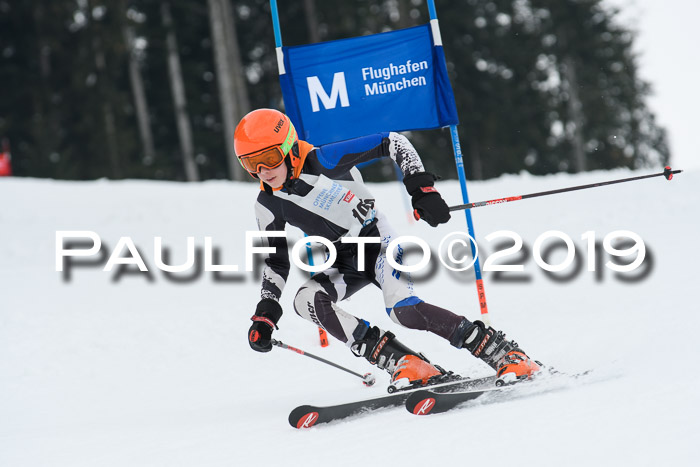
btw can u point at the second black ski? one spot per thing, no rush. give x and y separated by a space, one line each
306 416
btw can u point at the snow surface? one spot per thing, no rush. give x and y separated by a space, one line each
102 372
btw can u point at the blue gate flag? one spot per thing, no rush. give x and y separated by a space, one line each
392 81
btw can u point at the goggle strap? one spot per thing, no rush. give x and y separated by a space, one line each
288 142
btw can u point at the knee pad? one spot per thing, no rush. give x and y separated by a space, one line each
304 301
314 303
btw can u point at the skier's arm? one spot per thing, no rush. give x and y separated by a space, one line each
337 158
276 268
427 202
268 311
404 154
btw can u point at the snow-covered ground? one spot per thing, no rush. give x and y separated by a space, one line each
107 370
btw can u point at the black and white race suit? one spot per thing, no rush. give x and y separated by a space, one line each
329 199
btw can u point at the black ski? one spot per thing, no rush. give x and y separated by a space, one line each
425 401
306 416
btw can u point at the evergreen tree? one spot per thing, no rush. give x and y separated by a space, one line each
540 85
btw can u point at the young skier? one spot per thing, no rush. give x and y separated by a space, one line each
320 191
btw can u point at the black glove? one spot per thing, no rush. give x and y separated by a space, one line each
267 313
427 202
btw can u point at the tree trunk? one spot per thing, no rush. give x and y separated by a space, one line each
240 83
184 127
107 110
475 156
224 80
136 80
46 128
311 21
405 20
576 115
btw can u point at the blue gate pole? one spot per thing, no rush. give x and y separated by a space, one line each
323 336
276 23
457 149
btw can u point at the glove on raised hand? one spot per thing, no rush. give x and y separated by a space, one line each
427 202
267 314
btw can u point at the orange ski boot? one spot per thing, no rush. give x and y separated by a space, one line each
412 370
515 366
407 368
504 356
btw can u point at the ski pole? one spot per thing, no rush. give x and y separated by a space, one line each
367 379
668 173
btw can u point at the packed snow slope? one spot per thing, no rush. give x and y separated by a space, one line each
136 369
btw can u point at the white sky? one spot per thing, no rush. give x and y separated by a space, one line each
668 46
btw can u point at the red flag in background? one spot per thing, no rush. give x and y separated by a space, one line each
5 158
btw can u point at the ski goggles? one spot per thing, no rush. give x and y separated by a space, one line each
270 157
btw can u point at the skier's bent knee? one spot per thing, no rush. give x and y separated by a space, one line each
304 301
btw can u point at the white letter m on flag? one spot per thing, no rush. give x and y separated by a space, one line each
337 89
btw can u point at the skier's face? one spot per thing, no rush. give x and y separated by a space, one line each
276 177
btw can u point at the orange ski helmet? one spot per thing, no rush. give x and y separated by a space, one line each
264 138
